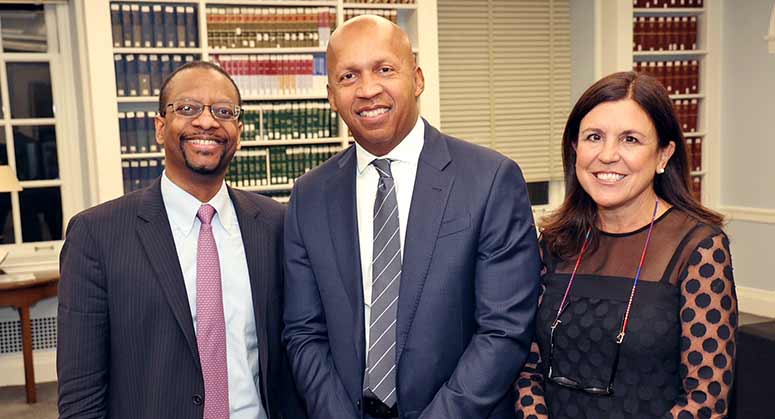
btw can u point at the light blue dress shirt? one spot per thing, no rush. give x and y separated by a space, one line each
241 337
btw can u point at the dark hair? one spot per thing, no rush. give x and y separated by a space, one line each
563 231
205 65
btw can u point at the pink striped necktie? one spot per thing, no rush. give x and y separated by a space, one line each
210 323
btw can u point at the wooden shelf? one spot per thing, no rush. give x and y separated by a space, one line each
694 134
257 51
140 50
271 3
311 141
682 53
688 96
647 11
264 98
388 6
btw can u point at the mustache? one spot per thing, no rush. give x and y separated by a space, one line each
202 136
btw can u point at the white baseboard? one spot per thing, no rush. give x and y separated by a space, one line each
12 367
756 301
757 215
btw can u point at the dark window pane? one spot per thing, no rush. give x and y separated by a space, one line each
6 219
3 148
29 86
41 210
538 193
36 152
24 28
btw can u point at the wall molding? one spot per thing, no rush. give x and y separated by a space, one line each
12 367
756 215
756 301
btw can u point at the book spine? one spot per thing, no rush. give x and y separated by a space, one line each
116 25
146 26
143 75
157 17
170 27
120 67
192 27
180 25
132 81
137 29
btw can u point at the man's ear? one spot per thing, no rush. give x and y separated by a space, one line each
331 98
419 82
159 122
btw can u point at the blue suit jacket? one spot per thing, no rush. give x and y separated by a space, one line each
468 290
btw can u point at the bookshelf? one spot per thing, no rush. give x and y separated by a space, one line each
677 41
668 43
275 51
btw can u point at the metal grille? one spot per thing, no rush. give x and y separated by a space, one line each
44 335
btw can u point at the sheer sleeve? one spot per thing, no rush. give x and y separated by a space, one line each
529 385
708 325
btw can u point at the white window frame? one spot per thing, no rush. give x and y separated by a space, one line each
44 255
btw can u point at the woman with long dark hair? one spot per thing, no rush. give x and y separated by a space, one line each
638 312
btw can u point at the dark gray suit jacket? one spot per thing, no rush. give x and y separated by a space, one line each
468 290
126 345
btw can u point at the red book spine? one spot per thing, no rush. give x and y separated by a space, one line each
697 155
693 110
692 33
690 152
695 76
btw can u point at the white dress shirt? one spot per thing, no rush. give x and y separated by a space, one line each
403 166
241 337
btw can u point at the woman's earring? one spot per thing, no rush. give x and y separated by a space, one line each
660 170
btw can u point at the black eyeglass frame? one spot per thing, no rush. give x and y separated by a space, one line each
573 384
237 110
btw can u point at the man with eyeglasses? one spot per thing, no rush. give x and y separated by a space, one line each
170 299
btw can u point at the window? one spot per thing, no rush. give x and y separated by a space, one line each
36 129
504 76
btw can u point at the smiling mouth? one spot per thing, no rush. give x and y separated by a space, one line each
609 176
371 113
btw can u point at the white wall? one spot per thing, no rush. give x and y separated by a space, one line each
748 150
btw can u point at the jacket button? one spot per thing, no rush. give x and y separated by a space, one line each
358 404
197 399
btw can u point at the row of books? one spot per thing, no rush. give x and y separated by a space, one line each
665 33
290 121
687 111
694 153
143 74
254 167
666 4
288 163
149 25
137 132
248 168
139 173
276 75
678 77
391 14
269 27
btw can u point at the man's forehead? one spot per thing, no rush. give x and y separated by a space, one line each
194 80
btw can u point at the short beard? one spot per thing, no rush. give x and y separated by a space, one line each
202 170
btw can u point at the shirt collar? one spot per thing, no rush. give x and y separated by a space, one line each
408 150
182 207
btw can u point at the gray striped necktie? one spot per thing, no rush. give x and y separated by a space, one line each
386 276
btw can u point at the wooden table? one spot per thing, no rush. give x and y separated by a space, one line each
22 294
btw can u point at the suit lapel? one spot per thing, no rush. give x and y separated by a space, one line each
159 246
255 241
343 223
429 199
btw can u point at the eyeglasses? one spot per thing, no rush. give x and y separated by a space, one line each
222 111
570 382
